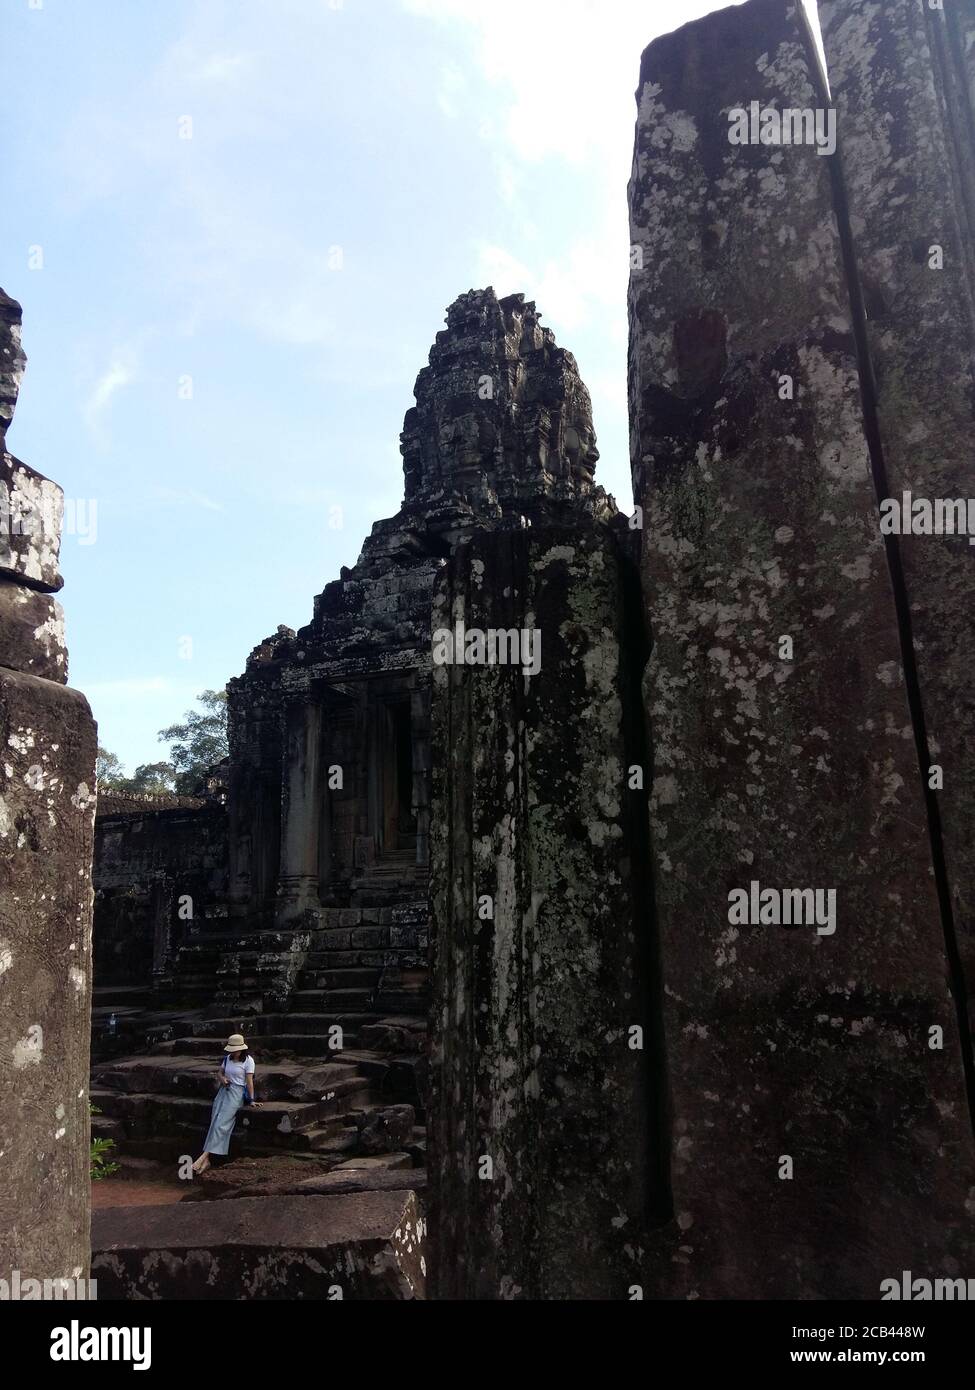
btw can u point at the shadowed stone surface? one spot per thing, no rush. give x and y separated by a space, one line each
47 807
533 1071
341 1180
761 522
902 77
32 625
365 1245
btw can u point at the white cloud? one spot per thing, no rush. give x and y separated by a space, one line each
118 375
224 67
187 497
121 371
570 71
498 267
587 284
570 82
453 81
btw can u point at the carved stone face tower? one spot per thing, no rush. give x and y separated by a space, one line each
502 425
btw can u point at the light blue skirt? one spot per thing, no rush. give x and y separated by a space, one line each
223 1117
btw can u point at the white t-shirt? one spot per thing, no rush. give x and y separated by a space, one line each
236 1071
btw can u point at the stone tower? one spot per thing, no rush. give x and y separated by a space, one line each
47 811
501 438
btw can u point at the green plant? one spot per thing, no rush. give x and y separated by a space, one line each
101 1164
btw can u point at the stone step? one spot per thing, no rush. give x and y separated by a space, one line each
270 940
397 1033
153 1126
197 1076
331 1139
105 1127
369 1064
385 1162
362 977
411 1001
321 1139
144 1115
383 1068
310 1045
264 1025
326 1000
346 954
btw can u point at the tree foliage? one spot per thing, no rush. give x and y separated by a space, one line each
199 742
109 769
196 745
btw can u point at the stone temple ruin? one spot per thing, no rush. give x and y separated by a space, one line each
505 931
310 888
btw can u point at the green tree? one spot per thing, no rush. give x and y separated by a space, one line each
199 741
147 778
109 769
152 777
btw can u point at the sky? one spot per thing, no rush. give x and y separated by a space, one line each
235 227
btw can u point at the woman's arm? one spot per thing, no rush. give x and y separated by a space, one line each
250 1088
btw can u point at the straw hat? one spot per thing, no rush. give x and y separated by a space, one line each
235 1043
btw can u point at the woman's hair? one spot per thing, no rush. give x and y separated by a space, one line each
240 1055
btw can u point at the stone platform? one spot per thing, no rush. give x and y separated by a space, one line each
360 1245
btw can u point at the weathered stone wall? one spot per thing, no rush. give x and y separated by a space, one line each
543 1121
47 807
820 1142
900 72
159 876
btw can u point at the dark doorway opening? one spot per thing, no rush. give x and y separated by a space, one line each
403 758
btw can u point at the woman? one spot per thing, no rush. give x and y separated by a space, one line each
236 1077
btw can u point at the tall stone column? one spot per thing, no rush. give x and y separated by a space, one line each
542 1128
821 1140
47 812
254 791
904 82
301 812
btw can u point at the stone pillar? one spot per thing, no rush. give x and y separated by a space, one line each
47 811
420 733
301 811
541 1115
254 805
821 1140
898 71
162 903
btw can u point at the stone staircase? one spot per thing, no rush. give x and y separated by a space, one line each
391 879
335 1017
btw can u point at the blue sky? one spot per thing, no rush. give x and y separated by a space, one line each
223 331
